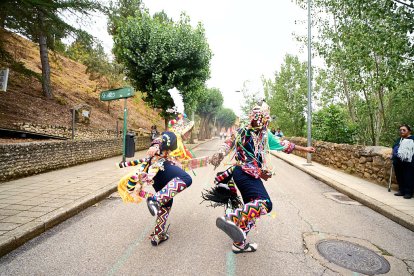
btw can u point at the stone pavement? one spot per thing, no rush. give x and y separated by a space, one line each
29 206
369 194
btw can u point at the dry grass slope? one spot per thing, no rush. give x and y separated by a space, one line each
24 101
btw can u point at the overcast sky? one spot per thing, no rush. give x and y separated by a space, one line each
248 38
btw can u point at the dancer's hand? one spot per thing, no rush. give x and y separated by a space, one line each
310 149
265 175
216 159
154 150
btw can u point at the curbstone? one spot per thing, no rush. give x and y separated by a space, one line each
379 207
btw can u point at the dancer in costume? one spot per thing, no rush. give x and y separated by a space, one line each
250 144
163 170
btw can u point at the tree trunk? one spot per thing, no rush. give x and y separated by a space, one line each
201 131
166 124
208 127
44 58
348 98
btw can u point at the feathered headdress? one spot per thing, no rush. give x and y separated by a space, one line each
181 124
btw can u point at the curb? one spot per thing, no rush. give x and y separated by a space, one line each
379 207
9 243
35 228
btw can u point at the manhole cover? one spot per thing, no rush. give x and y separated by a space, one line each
353 257
341 198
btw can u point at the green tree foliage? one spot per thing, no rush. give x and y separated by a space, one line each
120 10
332 124
208 106
160 54
368 47
41 21
286 96
90 52
225 118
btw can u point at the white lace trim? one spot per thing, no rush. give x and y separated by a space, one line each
406 150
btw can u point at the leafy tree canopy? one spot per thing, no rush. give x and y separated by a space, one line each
210 102
286 96
160 54
226 117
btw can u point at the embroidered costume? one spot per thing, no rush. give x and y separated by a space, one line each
164 169
249 147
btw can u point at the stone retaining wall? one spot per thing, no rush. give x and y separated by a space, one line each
19 160
81 132
368 162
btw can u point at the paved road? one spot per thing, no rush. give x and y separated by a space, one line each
111 238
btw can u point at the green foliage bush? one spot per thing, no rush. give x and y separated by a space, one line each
332 124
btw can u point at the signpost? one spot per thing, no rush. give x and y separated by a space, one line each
116 94
4 75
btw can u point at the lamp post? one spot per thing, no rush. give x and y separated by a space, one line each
308 155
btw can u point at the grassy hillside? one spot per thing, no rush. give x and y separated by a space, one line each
24 100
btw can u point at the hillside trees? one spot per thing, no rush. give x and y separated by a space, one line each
90 52
159 54
41 21
368 47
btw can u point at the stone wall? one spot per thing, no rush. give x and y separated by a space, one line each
368 162
24 159
81 132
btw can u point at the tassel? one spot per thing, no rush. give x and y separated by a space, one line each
124 193
219 196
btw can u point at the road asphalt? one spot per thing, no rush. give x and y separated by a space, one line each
29 206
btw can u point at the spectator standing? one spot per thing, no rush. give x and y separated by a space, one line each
279 133
154 132
403 162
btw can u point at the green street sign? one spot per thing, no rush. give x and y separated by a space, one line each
115 94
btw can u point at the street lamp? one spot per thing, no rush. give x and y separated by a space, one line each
308 155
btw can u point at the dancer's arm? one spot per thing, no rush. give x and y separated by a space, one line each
132 163
224 149
284 145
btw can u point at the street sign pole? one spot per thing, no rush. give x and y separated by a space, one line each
125 130
117 94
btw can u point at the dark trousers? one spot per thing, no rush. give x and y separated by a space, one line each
250 188
404 172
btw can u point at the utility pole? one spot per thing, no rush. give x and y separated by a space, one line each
309 155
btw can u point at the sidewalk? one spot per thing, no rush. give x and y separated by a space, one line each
369 194
29 206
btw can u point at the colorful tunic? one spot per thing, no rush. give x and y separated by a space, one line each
250 149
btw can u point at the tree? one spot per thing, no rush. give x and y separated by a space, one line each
286 96
369 51
225 117
40 21
120 10
159 54
332 124
209 104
